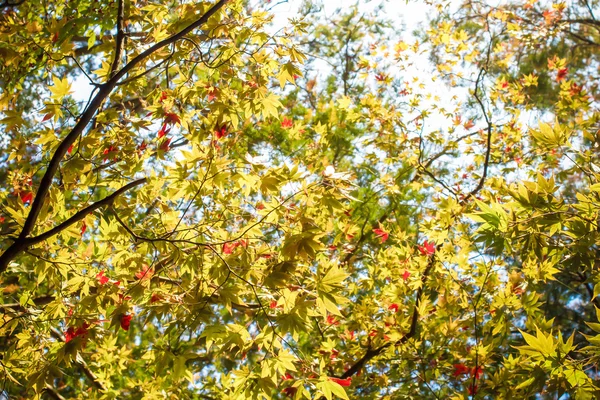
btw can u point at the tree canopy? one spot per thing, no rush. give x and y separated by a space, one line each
200 201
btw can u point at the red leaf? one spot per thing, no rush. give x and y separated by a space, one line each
287 123
70 149
228 248
342 382
145 273
2 219
381 234
47 117
142 146
69 334
172 118
472 389
26 197
562 74
287 377
155 298
125 321
163 131
55 37
393 307
477 372
332 320
83 228
290 391
103 280
221 132
428 248
460 369
165 145
405 275
72 333
273 304
163 97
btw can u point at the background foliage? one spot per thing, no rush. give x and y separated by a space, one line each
241 212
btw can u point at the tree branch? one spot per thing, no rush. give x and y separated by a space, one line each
372 353
104 91
118 39
21 244
81 364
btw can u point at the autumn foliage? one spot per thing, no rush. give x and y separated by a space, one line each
199 200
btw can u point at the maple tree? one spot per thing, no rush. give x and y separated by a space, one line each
197 205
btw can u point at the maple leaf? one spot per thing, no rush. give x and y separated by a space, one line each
405 275
393 307
107 151
469 124
142 146
287 377
145 273
381 234
472 389
61 88
2 219
125 321
477 372
102 279
172 118
342 382
562 74
155 298
165 145
287 123
70 149
575 89
290 391
26 197
69 334
332 320
83 228
460 369
428 248
72 333
273 304
163 131
163 96
221 132
228 247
